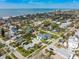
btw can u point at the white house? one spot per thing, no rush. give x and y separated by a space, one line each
28 46
64 25
77 32
35 40
39 36
73 42
12 30
2 57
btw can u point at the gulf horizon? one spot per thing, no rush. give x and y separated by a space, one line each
18 12
25 11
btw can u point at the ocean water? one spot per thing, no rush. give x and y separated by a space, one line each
17 12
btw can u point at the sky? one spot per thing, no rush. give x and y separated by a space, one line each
72 4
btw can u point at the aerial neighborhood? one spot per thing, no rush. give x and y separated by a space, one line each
52 35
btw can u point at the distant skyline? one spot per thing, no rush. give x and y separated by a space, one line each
72 4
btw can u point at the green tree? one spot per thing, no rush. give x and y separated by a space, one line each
2 32
46 22
54 25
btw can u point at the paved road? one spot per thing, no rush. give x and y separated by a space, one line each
40 54
18 55
61 51
15 52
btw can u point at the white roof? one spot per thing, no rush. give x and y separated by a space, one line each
73 39
28 46
6 17
73 42
76 57
35 40
77 33
63 25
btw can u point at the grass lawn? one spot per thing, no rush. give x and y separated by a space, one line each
14 44
37 51
22 51
44 41
2 52
14 57
1 45
54 34
29 51
8 57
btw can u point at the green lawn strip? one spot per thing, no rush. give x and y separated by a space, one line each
44 41
8 57
14 57
49 43
36 51
1 45
55 34
48 32
22 51
27 52
14 44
